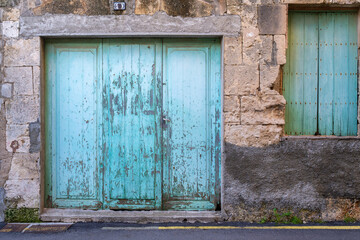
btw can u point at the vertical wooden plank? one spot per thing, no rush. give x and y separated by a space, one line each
76 124
215 118
294 84
310 74
297 69
327 74
133 170
300 74
341 85
352 74
338 91
187 96
50 152
74 82
287 79
158 107
189 114
105 113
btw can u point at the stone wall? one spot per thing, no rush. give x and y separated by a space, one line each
20 112
260 172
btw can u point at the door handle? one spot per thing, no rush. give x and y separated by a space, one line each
166 120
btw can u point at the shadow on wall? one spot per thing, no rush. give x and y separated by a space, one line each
317 179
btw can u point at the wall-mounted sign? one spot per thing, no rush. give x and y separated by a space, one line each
119 6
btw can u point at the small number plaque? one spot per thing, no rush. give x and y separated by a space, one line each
119 6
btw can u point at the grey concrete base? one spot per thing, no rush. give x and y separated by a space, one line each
75 215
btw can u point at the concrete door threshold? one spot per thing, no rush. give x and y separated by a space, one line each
77 215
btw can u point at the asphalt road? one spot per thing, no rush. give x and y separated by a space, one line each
102 231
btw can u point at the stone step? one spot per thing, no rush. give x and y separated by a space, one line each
77 215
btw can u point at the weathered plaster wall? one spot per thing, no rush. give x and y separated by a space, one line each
314 178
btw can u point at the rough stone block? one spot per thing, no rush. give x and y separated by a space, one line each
250 36
241 80
272 19
231 103
252 135
23 110
249 16
187 8
233 117
34 133
265 109
232 50
221 7
22 52
148 7
270 79
9 3
25 166
17 138
251 55
22 79
249 2
12 14
232 109
5 164
31 4
81 7
268 2
280 42
266 49
36 80
1 104
306 1
23 193
233 7
251 45
233 10
10 29
1 47
6 90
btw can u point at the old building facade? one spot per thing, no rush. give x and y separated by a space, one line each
279 130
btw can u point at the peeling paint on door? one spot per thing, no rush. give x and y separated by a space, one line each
133 124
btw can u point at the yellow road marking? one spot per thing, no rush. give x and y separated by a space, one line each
309 227
269 227
198 227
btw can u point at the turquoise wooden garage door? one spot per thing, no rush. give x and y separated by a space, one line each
133 124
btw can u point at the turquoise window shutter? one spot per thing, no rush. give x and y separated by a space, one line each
320 76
